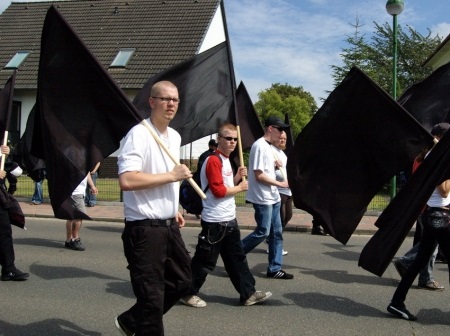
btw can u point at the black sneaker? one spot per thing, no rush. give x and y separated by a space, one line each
401 312
280 275
75 245
15 276
122 328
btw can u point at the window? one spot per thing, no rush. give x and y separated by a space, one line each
122 58
17 60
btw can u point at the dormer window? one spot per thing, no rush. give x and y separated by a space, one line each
122 58
17 60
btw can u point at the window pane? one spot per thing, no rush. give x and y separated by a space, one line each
17 60
122 58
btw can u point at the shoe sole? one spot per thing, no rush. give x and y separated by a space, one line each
268 295
193 306
116 322
431 289
398 313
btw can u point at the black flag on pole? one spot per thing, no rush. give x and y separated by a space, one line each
81 114
397 219
358 140
429 100
205 89
6 99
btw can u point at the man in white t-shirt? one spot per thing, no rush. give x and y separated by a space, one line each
158 261
263 194
220 233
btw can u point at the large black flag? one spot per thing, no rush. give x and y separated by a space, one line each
289 136
356 142
6 99
7 201
429 100
81 114
21 153
397 219
206 93
249 123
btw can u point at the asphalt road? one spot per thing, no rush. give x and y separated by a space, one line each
79 293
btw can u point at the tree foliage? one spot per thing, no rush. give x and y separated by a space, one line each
375 56
282 99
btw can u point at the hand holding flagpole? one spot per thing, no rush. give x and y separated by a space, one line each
5 143
174 160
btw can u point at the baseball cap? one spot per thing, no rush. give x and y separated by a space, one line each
440 128
275 121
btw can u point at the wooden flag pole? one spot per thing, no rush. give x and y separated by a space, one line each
174 160
241 155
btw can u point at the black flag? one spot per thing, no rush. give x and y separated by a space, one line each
206 93
397 219
6 99
358 140
429 100
81 114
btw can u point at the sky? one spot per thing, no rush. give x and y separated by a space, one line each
295 42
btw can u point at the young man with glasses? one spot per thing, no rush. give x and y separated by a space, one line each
263 194
220 234
158 261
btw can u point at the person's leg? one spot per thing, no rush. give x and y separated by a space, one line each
146 265
38 196
426 273
427 246
205 257
6 244
177 273
275 241
263 217
236 264
288 210
283 210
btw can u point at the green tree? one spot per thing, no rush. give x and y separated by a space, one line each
375 57
282 99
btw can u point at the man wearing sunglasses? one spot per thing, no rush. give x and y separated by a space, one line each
263 194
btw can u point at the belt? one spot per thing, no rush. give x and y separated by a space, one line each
151 222
438 209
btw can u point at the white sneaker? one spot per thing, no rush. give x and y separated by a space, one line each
193 301
257 297
283 253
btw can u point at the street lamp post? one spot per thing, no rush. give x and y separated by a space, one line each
394 8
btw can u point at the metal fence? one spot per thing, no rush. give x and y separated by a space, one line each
109 191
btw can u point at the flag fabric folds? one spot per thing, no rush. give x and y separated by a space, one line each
205 89
397 219
356 142
81 114
289 136
21 153
429 100
249 123
6 99
7 201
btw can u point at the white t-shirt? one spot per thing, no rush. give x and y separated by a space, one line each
261 158
140 152
281 172
81 188
218 209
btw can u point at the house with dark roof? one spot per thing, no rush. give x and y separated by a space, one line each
132 39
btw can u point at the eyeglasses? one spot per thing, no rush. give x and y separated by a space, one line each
280 129
168 99
229 138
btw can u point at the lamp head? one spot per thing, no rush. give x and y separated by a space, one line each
395 7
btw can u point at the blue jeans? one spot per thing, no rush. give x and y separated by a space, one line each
38 196
91 199
426 273
268 224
